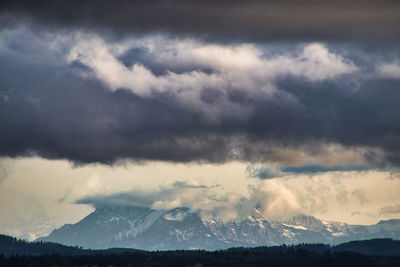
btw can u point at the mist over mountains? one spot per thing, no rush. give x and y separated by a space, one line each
180 228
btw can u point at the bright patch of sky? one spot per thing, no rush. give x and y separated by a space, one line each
38 195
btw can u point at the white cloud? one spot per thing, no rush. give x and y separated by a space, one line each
241 67
188 67
316 63
389 70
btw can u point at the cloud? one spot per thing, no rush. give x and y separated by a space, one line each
274 201
355 213
5 169
241 68
360 195
315 168
388 210
178 194
3 173
268 172
389 70
264 172
252 20
83 98
327 195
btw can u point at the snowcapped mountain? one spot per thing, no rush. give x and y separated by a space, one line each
179 228
137 227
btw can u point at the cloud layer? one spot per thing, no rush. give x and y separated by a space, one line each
274 200
347 194
82 98
222 19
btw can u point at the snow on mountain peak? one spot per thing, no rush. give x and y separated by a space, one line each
176 216
179 228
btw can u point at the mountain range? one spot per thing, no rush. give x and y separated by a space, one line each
180 228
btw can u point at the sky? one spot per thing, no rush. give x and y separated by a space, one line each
291 107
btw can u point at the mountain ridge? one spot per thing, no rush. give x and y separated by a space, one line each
180 228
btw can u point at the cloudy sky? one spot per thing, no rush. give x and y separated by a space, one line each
220 106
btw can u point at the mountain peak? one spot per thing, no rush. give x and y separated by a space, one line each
181 228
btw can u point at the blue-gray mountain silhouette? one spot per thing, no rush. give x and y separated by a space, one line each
180 228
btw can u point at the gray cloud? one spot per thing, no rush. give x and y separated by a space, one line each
251 20
174 195
316 105
268 172
315 168
388 210
264 172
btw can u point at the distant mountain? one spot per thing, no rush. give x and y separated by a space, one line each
179 228
137 227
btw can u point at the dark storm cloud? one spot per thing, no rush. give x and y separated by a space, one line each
232 19
77 122
77 119
48 108
368 115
